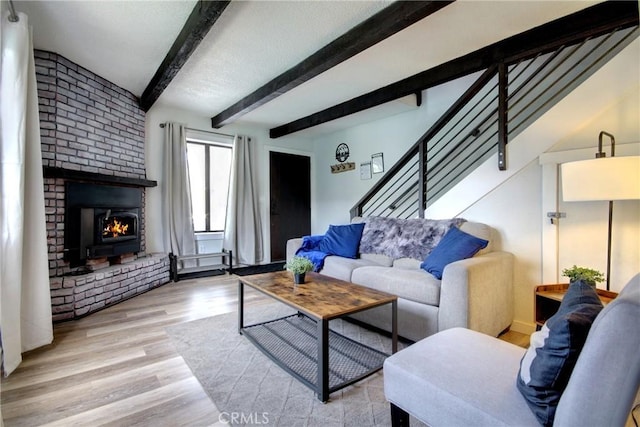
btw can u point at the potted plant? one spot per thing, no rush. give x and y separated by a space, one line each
588 275
299 266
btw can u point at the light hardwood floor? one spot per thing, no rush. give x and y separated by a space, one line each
117 367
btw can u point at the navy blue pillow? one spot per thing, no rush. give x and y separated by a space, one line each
342 240
547 365
454 246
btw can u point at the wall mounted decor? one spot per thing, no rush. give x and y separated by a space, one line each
365 170
377 163
343 167
342 152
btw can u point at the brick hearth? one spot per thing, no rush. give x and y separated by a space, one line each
92 126
74 296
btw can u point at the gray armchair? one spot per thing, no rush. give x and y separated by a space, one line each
460 377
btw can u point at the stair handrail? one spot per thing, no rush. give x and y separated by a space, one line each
420 146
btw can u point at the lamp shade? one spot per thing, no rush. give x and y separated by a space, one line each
608 178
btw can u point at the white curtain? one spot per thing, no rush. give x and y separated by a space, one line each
243 231
25 299
177 220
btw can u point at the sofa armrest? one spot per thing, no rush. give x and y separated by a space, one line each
292 246
477 293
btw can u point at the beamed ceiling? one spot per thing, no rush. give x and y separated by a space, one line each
301 66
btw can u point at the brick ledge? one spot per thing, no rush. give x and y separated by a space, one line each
73 297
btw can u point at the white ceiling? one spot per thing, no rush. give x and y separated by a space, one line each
254 41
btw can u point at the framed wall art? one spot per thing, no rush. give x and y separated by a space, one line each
365 170
377 163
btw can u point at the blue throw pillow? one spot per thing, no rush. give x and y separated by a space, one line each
547 365
342 240
454 246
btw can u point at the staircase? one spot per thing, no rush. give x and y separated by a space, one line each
503 101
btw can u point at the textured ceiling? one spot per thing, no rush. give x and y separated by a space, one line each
430 42
254 41
122 41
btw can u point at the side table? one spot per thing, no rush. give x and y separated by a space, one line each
548 297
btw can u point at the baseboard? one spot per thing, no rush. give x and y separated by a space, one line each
523 327
258 269
200 274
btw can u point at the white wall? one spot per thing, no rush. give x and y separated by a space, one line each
337 193
514 211
262 144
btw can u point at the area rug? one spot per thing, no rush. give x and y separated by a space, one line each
241 380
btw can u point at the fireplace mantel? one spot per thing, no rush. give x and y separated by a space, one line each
54 172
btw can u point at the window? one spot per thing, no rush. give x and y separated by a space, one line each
209 157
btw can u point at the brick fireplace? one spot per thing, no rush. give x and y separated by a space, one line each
93 135
101 222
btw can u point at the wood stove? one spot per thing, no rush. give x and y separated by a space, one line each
101 221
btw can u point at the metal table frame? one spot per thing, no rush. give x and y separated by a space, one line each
321 386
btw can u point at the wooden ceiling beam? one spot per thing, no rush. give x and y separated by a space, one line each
590 22
394 18
204 14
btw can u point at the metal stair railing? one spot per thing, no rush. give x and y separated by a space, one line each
467 134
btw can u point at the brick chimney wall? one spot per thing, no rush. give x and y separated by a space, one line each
91 125
87 123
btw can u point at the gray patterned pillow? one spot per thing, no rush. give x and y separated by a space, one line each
404 238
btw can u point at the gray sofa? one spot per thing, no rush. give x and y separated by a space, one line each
475 293
461 378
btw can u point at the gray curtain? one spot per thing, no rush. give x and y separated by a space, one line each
25 299
177 220
243 230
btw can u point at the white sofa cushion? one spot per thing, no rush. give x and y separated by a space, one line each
378 259
341 268
411 284
407 263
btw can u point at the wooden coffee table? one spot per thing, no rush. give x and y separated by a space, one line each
302 343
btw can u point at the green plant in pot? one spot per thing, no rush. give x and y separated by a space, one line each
588 275
299 266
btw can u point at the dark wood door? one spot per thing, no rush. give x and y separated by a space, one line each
290 204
